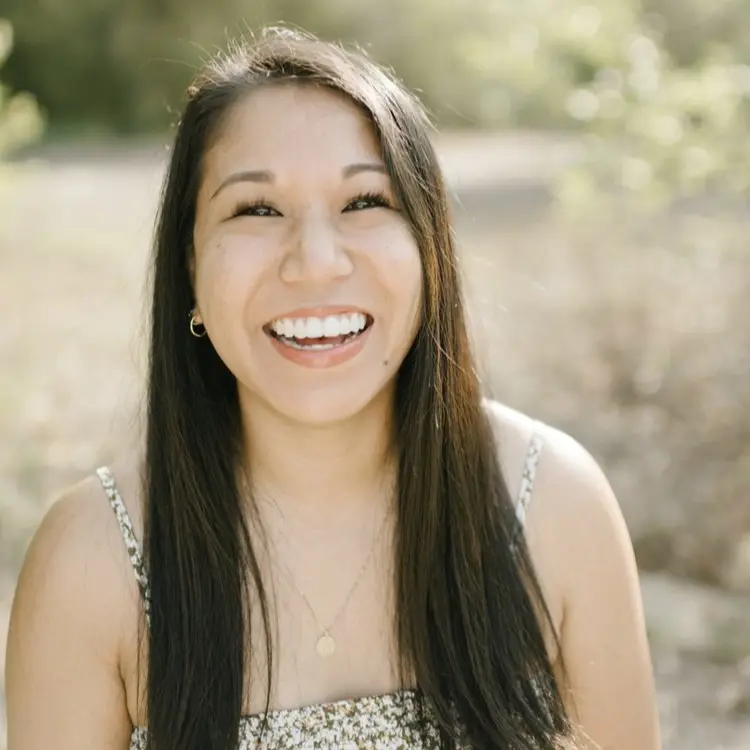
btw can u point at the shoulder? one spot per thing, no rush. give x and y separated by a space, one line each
75 576
574 521
71 615
584 559
570 488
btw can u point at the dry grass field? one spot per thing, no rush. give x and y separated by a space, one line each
637 345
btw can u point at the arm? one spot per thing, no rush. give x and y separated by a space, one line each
62 673
611 691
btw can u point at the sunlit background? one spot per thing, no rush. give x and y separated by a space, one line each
599 160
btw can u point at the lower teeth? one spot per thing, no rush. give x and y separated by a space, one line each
294 344
309 347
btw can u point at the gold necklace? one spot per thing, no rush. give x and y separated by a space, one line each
325 645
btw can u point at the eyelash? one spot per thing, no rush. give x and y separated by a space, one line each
377 199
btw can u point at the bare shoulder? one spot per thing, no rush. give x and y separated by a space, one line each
566 462
571 490
584 558
75 563
574 517
70 613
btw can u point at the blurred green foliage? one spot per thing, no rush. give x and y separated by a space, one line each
662 80
20 119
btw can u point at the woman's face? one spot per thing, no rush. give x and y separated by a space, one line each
306 273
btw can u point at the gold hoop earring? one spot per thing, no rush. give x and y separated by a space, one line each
199 334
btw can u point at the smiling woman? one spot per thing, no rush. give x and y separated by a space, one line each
332 531
297 224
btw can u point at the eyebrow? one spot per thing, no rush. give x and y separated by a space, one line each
264 176
353 169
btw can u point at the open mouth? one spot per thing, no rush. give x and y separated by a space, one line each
319 333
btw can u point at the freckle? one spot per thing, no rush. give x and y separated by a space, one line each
385 363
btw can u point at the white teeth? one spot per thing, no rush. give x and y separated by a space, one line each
310 347
300 328
316 328
331 326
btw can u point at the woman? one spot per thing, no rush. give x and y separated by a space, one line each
337 541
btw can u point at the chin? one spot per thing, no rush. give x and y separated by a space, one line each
316 409
324 405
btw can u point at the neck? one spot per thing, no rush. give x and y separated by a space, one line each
319 469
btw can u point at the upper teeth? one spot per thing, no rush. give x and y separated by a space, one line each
315 328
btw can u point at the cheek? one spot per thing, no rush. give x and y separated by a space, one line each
398 264
403 262
407 281
411 275
226 272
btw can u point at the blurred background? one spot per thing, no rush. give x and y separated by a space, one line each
599 161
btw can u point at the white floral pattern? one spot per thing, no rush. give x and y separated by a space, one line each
383 722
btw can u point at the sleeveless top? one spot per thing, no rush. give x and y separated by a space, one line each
393 720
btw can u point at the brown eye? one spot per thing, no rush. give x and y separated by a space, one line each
258 208
368 200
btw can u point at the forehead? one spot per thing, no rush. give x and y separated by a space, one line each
290 126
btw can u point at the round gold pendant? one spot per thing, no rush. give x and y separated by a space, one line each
325 646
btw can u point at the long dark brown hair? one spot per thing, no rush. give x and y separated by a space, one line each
468 608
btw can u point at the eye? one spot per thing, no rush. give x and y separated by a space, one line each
368 200
257 207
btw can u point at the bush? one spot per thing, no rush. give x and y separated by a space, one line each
637 343
20 119
479 64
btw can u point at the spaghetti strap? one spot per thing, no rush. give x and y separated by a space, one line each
527 482
128 534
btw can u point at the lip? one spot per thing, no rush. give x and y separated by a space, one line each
322 359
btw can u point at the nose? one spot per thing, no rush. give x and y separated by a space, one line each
315 254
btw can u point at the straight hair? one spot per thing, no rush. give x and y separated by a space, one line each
469 607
